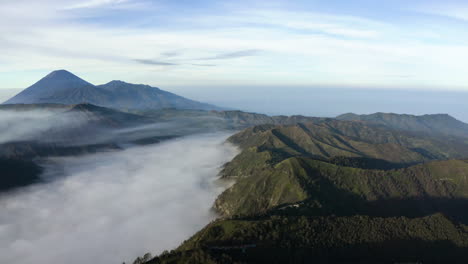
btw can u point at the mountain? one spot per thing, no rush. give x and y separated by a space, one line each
47 89
74 129
63 87
107 117
334 191
139 96
324 239
276 163
246 119
433 238
65 130
302 189
441 124
304 186
329 139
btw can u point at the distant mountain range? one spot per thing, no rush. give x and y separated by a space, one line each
378 188
63 87
441 124
384 188
375 144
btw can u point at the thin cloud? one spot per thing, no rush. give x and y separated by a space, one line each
96 3
352 47
204 65
170 54
154 62
402 76
454 12
234 55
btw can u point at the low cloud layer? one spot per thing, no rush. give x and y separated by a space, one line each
112 207
30 125
6 94
73 128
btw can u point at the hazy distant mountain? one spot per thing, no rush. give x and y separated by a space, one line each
69 130
47 89
429 124
63 87
108 117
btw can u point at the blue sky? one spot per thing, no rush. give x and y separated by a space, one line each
179 44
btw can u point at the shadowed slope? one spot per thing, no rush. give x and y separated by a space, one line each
356 239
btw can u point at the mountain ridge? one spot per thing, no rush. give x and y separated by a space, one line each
63 87
442 124
304 193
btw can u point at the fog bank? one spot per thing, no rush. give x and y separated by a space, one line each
32 125
112 207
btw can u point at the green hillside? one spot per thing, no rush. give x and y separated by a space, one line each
441 124
337 191
314 187
352 139
330 239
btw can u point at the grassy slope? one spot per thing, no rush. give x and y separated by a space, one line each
363 239
349 139
285 164
332 188
327 213
310 193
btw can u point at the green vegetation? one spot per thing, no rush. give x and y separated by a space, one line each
334 138
363 239
319 187
290 164
385 188
337 191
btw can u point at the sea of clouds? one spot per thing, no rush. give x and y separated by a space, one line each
31 125
112 207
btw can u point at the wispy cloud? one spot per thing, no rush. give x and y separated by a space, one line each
203 65
155 62
316 23
459 12
263 45
95 3
233 55
170 54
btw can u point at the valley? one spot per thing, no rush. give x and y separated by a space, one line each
233 132
374 188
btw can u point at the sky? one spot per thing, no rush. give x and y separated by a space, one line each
199 46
